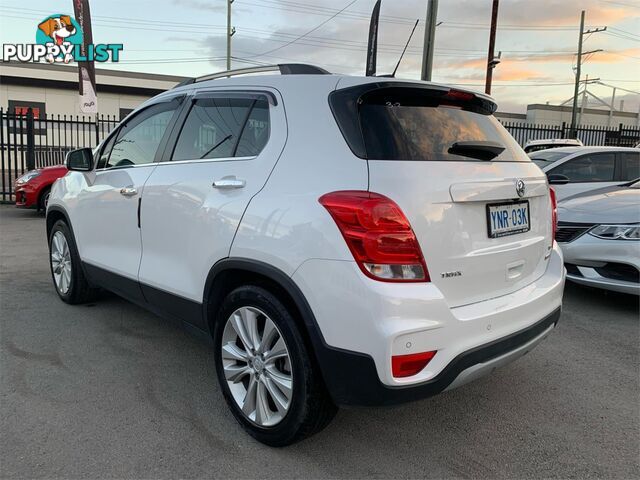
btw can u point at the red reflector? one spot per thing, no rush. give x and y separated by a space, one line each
408 365
554 214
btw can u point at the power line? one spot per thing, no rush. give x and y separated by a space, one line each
310 31
620 3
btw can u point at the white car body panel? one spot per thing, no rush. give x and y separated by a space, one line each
182 210
398 319
104 221
453 233
588 252
506 284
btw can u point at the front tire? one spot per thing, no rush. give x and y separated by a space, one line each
66 270
264 369
43 201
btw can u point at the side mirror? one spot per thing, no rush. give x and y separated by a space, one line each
558 179
80 160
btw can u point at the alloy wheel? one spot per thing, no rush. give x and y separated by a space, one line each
257 366
61 262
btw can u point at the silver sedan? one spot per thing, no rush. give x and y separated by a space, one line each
599 233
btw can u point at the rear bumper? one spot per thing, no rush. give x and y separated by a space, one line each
363 323
353 379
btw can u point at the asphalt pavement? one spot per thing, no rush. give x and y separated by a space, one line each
108 390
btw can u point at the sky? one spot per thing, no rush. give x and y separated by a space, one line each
538 40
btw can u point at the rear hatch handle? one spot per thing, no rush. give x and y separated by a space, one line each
479 149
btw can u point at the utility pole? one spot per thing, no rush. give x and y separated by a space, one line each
230 31
492 61
574 108
429 39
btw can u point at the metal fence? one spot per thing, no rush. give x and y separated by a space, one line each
620 136
27 142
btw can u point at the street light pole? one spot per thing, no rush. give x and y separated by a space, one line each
574 108
230 32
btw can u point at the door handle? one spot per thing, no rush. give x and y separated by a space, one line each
128 191
227 183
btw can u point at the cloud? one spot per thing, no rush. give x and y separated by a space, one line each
540 55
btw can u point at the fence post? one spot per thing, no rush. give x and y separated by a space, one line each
620 135
97 131
31 151
564 129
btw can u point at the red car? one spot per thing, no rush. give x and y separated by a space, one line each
33 188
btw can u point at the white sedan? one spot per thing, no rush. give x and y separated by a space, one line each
574 170
599 233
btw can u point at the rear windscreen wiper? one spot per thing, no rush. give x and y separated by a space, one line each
480 149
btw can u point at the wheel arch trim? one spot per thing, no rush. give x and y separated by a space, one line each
272 273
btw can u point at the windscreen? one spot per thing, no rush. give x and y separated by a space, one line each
543 158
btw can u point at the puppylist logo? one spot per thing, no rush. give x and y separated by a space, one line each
59 39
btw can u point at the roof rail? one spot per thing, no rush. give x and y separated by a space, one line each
283 68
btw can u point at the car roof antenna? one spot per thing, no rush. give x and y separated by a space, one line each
405 49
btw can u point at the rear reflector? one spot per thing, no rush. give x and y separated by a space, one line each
409 365
378 235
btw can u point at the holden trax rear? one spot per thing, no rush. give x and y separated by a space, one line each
341 240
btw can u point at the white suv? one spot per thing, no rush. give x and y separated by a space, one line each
341 240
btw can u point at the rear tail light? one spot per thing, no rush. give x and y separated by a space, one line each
409 365
554 214
378 235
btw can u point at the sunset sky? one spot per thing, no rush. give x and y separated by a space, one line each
538 39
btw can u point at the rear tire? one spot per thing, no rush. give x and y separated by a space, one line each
265 363
66 269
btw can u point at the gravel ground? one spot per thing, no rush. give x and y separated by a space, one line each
109 390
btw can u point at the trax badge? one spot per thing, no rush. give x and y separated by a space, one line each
451 274
520 187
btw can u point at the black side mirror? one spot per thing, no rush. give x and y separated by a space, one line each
80 160
558 179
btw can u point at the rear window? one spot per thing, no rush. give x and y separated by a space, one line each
419 124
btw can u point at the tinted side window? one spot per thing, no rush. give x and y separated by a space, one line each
598 167
630 166
256 131
139 139
223 128
103 158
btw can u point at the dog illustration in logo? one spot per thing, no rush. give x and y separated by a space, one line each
58 29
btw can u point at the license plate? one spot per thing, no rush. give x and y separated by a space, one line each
507 218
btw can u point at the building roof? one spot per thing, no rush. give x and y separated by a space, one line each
590 111
66 77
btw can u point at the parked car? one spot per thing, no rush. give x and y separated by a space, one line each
342 240
573 170
599 232
535 145
32 189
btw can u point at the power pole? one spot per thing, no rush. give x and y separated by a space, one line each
230 31
429 39
492 61
574 108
